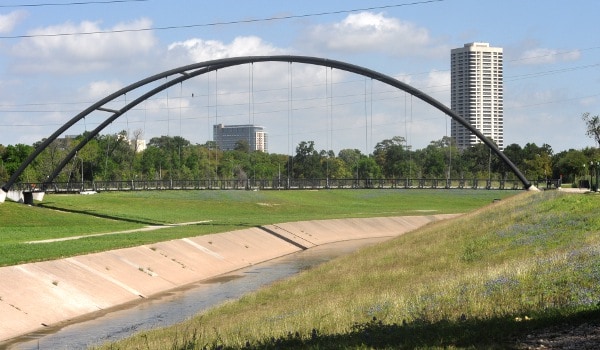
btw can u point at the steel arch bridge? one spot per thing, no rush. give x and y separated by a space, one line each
193 70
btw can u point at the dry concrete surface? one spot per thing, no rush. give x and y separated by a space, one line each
37 295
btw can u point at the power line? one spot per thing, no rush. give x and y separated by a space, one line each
554 54
212 24
5 108
549 72
72 3
579 98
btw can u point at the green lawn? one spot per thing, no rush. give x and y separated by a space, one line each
60 216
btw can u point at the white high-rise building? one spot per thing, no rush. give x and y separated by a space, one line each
477 93
227 136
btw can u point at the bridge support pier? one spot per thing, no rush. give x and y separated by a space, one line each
27 197
15 196
38 195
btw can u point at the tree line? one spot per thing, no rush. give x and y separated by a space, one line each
115 157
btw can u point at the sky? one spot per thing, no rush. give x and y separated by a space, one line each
57 57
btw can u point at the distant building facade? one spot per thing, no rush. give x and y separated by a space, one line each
477 93
138 145
227 136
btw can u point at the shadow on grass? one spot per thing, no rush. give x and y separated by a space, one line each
138 221
98 215
497 333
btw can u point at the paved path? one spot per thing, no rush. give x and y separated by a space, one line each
143 229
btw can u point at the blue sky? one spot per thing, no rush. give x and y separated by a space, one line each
551 70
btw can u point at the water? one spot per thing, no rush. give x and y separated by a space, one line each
179 305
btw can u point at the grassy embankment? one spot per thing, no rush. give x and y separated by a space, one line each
227 210
473 282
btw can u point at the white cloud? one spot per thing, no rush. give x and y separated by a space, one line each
435 83
588 101
10 20
373 32
264 75
544 56
438 85
530 96
82 52
99 89
198 50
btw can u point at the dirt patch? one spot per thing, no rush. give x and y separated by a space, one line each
581 337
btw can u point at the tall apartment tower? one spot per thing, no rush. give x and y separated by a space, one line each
226 136
477 93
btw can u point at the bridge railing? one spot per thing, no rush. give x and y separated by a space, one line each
279 184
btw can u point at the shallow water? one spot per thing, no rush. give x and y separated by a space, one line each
179 305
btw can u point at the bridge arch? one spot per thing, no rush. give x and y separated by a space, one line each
192 70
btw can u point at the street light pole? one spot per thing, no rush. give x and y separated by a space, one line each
82 185
591 176
597 170
327 172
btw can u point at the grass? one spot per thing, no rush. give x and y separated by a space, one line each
478 281
61 216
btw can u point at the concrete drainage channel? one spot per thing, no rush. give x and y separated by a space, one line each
180 304
48 293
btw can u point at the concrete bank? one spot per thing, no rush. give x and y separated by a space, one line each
38 295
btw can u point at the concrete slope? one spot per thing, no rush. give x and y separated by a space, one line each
318 232
36 295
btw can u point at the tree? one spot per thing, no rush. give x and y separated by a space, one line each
121 155
438 157
537 161
171 162
392 157
307 161
12 158
349 156
87 159
569 165
50 157
368 169
242 146
476 161
151 164
514 152
338 169
593 126
3 173
433 160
